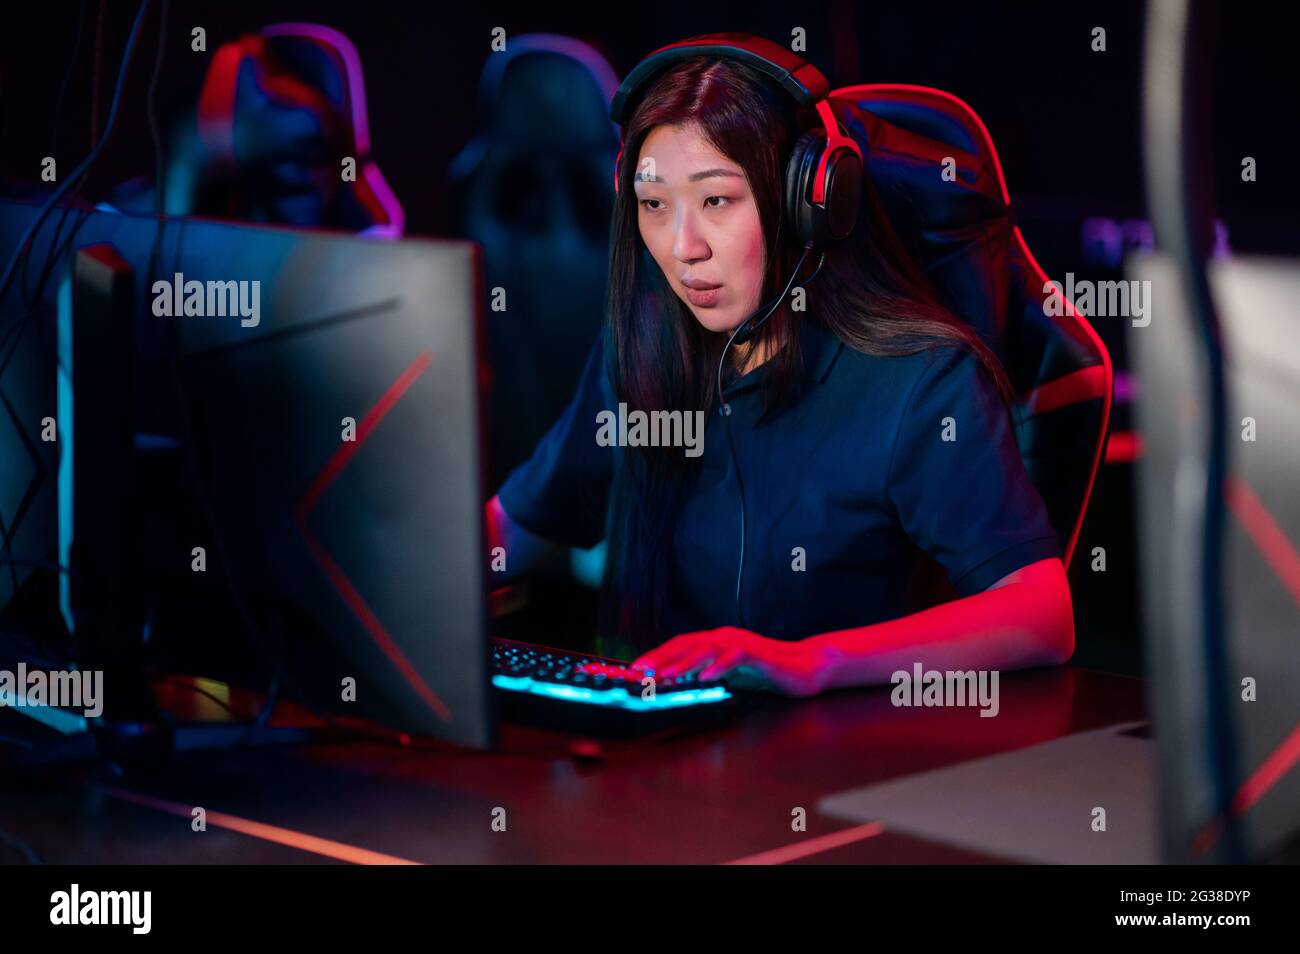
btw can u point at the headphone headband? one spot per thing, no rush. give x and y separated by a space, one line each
823 178
794 74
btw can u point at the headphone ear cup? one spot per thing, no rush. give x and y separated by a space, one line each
843 194
799 210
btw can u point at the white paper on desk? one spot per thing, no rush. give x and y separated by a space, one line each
1032 804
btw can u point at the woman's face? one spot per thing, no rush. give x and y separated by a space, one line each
699 220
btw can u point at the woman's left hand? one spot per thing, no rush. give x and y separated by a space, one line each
746 659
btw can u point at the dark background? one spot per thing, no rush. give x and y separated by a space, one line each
1065 120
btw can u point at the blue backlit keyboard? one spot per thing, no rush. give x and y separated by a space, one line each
592 694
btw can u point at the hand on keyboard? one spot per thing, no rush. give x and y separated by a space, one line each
520 660
618 674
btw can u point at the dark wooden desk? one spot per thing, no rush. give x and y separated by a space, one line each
723 796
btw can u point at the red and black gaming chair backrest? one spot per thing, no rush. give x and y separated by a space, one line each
962 233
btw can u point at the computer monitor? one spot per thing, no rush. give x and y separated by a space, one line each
1255 299
308 448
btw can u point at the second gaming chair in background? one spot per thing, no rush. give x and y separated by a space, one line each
533 189
278 113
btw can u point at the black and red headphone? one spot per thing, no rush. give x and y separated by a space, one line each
823 177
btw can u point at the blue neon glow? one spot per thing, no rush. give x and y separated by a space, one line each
616 698
64 430
60 720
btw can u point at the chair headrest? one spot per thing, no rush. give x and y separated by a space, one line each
286 102
544 94
934 167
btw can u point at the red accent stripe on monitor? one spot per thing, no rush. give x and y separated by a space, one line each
1269 538
1280 761
1283 559
333 573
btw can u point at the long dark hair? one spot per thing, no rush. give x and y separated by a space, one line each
869 294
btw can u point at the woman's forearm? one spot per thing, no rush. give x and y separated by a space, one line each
1026 619
520 551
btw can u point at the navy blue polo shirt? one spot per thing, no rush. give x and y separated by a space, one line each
840 486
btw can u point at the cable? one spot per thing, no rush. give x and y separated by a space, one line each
90 158
22 252
260 720
159 160
203 692
257 722
15 331
57 115
743 332
95 71
74 182
259 642
10 559
200 492
750 326
740 484
20 846
59 245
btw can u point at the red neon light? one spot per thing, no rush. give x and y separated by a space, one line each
834 140
1124 447
333 573
813 846
1280 761
1081 385
338 850
1264 532
1283 560
217 100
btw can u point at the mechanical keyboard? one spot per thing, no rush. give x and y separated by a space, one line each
594 695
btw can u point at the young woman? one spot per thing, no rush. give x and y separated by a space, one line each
862 428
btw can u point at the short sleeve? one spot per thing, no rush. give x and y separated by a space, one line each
561 492
957 480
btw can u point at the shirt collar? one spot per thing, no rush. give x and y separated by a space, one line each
819 348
